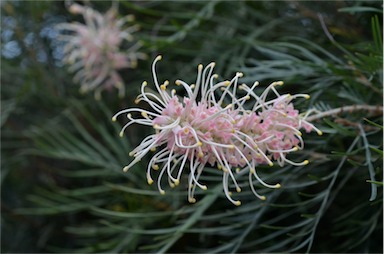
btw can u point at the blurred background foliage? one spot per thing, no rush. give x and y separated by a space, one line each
63 189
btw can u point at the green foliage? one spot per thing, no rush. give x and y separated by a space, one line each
63 188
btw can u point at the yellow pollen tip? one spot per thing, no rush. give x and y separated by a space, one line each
219 167
199 143
278 186
307 96
299 133
270 164
149 181
279 83
295 149
130 18
156 126
186 130
200 67
200 154
125 169
319 133
252 170
119 85
306 162
192 86
153 149
163 87
137 101
247 97
191 200
131 154
158 58
155 167
215 76
162 192
145 83
172 185
204 187
263 198
237 170
238 189
177 182
114 119
121 134
237 203
144 114
177 82
227 83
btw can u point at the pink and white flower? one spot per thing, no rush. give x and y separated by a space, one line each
93 49
210 126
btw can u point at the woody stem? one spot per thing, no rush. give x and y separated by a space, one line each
373 109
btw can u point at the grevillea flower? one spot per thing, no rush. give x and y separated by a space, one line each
210 126
93 49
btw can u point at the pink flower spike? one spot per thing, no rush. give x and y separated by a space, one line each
210 126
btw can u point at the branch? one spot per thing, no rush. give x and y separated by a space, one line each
373 109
